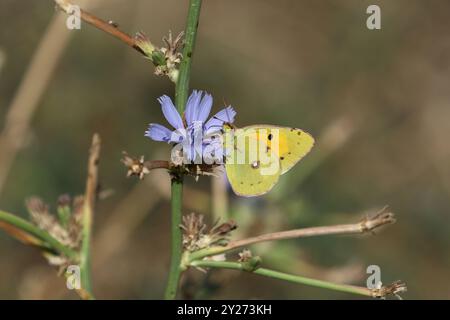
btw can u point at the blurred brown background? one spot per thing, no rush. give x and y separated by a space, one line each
378 102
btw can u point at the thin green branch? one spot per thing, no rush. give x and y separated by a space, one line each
286 277
181 94
368 224
27 232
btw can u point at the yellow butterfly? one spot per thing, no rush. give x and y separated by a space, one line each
257 155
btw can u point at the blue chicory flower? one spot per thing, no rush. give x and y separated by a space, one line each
196 135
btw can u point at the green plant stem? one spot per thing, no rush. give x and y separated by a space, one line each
181 94
285 276
175 269
50 242
182 87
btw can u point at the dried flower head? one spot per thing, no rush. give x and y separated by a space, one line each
171 55
193 231
195 236
394 288
136 167
167 58
66 229
44 220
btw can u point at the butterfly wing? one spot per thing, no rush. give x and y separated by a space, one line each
252 169
291 144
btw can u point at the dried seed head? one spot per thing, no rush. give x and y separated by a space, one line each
66 230
167 58
193 231
136 167
195 236
170 57
171 51
36 206
395 289
45 221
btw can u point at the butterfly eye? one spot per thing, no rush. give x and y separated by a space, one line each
255 164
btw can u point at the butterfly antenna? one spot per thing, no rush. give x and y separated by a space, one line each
228 115
226 105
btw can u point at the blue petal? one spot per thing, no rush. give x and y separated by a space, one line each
178 136
205 108
158 132
217 121
192 107
170 112
194 141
